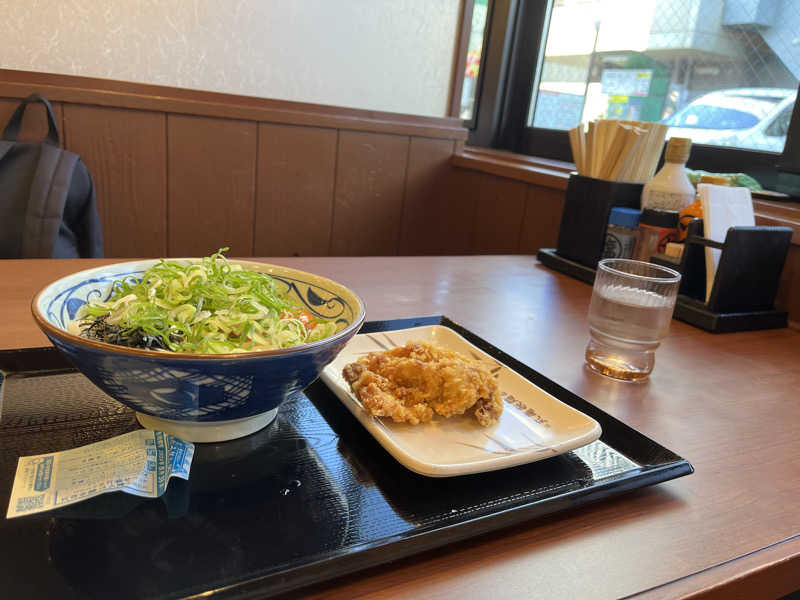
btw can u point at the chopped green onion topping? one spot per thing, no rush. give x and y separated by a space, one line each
208 307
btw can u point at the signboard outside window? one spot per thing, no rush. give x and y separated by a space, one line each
626 82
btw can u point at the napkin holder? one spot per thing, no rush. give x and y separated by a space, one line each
746 282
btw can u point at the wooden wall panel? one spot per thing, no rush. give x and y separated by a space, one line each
370 182
294 193
182 172
159 98
788 296
543 208
465 191
125 152
432 215
34 123
211 185
498 217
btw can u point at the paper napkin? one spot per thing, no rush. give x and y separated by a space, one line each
723 208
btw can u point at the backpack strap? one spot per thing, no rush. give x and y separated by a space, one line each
45 211
5 147
15 123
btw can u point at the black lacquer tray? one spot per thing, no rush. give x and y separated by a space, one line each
311 497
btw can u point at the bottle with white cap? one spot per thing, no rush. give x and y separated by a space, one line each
671 189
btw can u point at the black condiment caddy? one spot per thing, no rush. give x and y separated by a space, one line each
748 274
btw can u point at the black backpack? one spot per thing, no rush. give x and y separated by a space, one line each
48 207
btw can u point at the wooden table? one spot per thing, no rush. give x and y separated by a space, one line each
729 403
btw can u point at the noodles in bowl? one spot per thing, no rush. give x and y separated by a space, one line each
206 307
201 377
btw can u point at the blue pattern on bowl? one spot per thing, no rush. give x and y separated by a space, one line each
197 388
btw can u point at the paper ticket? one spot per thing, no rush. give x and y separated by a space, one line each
140 462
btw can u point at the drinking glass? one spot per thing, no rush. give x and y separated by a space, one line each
630 313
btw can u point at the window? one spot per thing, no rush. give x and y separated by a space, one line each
721 72
477 35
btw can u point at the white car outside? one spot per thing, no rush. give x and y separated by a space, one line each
751 118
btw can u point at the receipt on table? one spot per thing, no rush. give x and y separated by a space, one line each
140 462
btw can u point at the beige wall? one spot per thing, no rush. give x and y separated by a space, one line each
393 55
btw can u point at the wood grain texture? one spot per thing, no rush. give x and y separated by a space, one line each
370 185
543 208
727 402
34 123
294 198
499 215
785 214
514 158
459 206
126 154
121 94
788 295
552 176
433 219
211 185
768 573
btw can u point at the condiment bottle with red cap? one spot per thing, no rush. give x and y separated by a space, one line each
656 229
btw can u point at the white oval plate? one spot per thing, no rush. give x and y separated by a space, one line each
534 424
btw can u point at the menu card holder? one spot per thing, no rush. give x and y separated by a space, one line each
743 295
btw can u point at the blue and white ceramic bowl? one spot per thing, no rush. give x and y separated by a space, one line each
198 397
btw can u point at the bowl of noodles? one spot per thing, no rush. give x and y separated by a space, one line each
205 349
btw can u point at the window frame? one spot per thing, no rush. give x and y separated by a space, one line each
512 67
468 7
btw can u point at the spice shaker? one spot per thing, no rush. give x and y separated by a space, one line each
656 229
621 232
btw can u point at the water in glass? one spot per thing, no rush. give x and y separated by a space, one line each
627 323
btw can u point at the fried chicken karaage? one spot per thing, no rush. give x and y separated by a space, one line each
411 383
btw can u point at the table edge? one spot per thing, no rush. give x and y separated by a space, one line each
769 572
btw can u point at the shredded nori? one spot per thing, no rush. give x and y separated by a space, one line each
99 329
